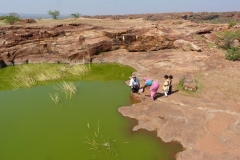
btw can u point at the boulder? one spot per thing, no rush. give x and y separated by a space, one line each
189 83
23 21
204 30
186 45
211 37
236 43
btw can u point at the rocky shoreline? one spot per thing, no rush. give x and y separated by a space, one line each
205 122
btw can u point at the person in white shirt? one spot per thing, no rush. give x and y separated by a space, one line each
134 84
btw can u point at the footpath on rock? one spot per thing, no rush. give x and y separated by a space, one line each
205 122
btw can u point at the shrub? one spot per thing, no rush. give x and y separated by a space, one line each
233 54
11 19
54 14
14 14
3 17
231 24
227 38
75 15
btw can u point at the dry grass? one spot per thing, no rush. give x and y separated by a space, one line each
97 22
55 98
29 75
99 143
69 88
78 70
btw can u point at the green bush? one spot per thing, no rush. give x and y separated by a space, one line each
3 17
231 24
75 15
54 14
233 54
227 38
11 19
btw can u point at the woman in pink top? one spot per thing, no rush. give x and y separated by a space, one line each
154 85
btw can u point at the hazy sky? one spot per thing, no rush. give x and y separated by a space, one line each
103 7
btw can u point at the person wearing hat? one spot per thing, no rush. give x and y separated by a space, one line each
134 84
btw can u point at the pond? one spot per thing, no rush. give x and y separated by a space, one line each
86 126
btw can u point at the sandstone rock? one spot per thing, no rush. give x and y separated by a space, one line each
236 43
211 37
8 63
81 39
186 45
221 28
2 63
23 21
204 30
135 97
189 83
237 26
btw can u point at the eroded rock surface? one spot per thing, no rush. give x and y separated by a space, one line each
205 122
79 43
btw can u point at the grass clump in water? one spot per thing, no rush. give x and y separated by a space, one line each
100 144
69 88
55 98
30 75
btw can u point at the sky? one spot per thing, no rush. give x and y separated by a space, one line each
115 7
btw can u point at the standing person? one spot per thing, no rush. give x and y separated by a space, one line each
134 84
166 85
154 85
170 77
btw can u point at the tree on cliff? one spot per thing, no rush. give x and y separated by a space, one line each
11 19
14 14
75 15
54 14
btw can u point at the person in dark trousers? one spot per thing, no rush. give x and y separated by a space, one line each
170 77
134 84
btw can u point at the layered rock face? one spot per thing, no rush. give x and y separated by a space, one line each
57 44
79 43
196 17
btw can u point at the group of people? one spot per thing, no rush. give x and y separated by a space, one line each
153 84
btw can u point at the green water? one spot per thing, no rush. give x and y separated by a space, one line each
33 127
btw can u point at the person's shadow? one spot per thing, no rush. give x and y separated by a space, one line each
174 91
158 95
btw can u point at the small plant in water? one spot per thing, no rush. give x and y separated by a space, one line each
68 88
99 143
55 98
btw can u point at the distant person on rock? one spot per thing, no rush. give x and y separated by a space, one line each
166 85
154 85
134 84
170 77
